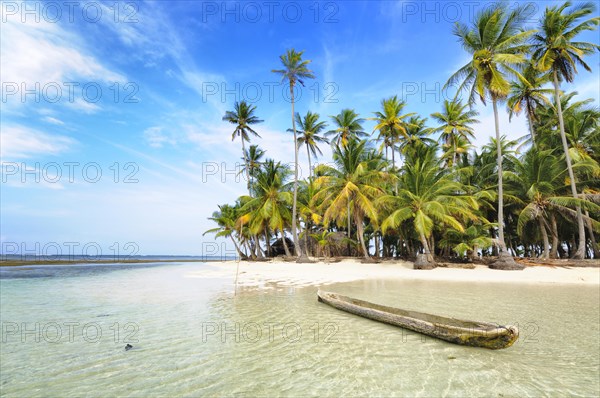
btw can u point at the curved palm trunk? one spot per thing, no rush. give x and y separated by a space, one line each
531 128
501 241
554 232
361 236
590 229
545 238
580 253
285 246
294 205
309 165
426 247
237 248
247 166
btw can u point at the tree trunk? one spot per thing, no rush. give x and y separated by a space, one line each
505 260
349 221
545 238
309 165
306 231
501 242
580 253
259 252
592 237
294 204
247 166
237 248
426 248
361 237
554 232
531 129
268 242
285 246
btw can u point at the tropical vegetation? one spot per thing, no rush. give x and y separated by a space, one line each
418 185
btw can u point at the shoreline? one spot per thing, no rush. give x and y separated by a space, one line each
267 274
36 263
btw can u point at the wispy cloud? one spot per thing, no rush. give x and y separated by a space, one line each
53 120
23 142
36 54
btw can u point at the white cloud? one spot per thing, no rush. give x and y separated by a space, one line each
84 106
22 142
156 137
40 53
53 120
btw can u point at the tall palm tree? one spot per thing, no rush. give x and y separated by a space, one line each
427 196
496 43
556 51
349 190
527 95
295 70
390 122
254 155
455 127
348 127
310 128
243 117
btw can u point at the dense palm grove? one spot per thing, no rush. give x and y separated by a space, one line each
415 184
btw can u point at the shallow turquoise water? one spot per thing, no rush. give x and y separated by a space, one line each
192 337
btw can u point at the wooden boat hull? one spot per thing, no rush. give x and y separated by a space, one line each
469 333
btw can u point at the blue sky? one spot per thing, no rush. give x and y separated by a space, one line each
112 138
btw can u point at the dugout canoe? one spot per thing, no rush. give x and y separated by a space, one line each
457 331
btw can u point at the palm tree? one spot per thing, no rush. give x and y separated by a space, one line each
468 241
254 155
310 127
243 117
390 122
555 51
295 71
349 190
270 206
417 135
226 218
539 180
427 196
348 127
455 127
495 42
581 121
527 94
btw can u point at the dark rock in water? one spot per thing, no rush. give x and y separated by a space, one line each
506 262
128 347
423 263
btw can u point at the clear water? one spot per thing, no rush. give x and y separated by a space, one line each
192 337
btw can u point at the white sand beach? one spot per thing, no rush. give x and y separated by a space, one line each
267 274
